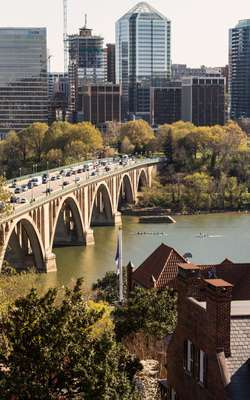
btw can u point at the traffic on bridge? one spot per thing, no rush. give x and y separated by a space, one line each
61 207
29 190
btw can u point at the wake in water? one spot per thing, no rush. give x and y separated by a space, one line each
206 236
150 233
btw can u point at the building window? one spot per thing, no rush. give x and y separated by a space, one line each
195 362
202 367
189 356
173 395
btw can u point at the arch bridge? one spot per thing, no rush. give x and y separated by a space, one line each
67 217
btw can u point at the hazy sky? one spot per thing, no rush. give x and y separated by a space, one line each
199 28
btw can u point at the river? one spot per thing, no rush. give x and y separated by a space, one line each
228 236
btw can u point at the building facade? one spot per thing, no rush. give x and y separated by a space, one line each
58 91
110 61
23 78
86 65
203 100
165 104
100 104
208 355
143 56
239 70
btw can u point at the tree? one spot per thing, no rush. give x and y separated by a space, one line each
139 133
5 207
53 352
106 289
24 143
54 156
11 146
126 146
151 311
37 132
198 188
168 146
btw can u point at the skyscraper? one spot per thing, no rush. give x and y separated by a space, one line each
86 64
23 78
239 70
110 60
143 56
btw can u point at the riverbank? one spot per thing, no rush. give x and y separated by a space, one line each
135 211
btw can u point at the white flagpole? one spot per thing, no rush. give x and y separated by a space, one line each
121 298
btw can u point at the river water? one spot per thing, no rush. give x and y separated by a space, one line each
228 236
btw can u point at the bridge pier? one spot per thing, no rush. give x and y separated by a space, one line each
117 218
89 237
50 262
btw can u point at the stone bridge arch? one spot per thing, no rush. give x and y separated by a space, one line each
68 226
125 191
102 208
142 179
25 243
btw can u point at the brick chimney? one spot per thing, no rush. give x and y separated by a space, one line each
218 297
187 280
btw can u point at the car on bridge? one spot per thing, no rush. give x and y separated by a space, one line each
37 180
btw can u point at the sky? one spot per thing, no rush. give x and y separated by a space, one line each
199 29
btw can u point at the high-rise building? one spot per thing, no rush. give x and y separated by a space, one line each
143 56
239 70
86 64
58 87
203 100
23 78
100 103
110 60
165 103
180 71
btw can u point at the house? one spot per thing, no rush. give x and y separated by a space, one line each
159 269
209 352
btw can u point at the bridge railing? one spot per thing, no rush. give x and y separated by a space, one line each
37 173
75 185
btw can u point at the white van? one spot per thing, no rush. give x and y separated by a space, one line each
37 180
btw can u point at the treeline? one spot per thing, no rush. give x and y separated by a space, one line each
207 168
61 143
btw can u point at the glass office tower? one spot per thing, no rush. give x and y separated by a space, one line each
239 70
143 56
23 78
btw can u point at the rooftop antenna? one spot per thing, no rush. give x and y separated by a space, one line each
65 34
86 21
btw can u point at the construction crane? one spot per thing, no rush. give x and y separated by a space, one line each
65 34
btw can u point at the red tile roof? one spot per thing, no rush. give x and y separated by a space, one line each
218 283
161 266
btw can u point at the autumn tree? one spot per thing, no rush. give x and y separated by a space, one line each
37 132
139 133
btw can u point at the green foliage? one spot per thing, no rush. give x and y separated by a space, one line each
150 311
107 288
50 351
